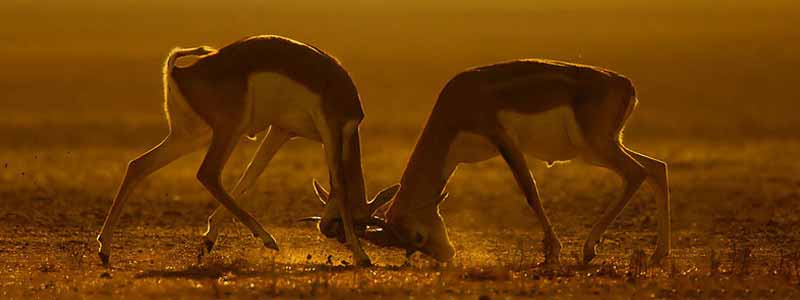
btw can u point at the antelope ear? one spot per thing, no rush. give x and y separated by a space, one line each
442 197
383 197
322 194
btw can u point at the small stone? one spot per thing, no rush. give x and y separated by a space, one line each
308 257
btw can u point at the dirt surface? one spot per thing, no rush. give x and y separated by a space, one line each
717 102
734 235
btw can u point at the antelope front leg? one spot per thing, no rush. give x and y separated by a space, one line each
338 151
516 161
272 142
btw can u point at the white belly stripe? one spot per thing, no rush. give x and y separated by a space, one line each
279 100
550 136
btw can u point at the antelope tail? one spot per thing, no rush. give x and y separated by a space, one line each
179 52
179 105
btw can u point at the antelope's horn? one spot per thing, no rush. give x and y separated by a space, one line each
376 222
383 197
314 219
322 194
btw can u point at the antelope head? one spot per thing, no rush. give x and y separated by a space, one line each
416 229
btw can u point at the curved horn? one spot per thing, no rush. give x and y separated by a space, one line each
382 198
382 235
376 222
322 194
314 219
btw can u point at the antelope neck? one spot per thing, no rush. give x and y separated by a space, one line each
427 172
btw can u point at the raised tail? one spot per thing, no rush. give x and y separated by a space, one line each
179 52
177 109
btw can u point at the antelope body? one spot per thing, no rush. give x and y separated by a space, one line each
541 109
245 88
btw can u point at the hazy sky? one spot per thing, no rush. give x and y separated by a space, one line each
701 52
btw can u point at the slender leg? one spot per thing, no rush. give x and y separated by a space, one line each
222 144
272 142
659 181
335 151
516 161
171 148
633 174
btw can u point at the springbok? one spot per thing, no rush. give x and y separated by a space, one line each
259 83
549 110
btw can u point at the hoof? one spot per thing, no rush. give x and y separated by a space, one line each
551 263
205 249
269 241
552 252
657 259
364 263
208 245
104 258
551 266
272 245
589 253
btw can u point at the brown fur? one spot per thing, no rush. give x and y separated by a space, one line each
214 90
470 102
601 101
217 83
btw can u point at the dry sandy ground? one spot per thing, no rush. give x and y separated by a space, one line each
717 82
734 215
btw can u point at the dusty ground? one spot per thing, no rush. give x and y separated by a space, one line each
718 102
728 209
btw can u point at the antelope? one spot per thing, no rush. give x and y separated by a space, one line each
548 110
261 83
